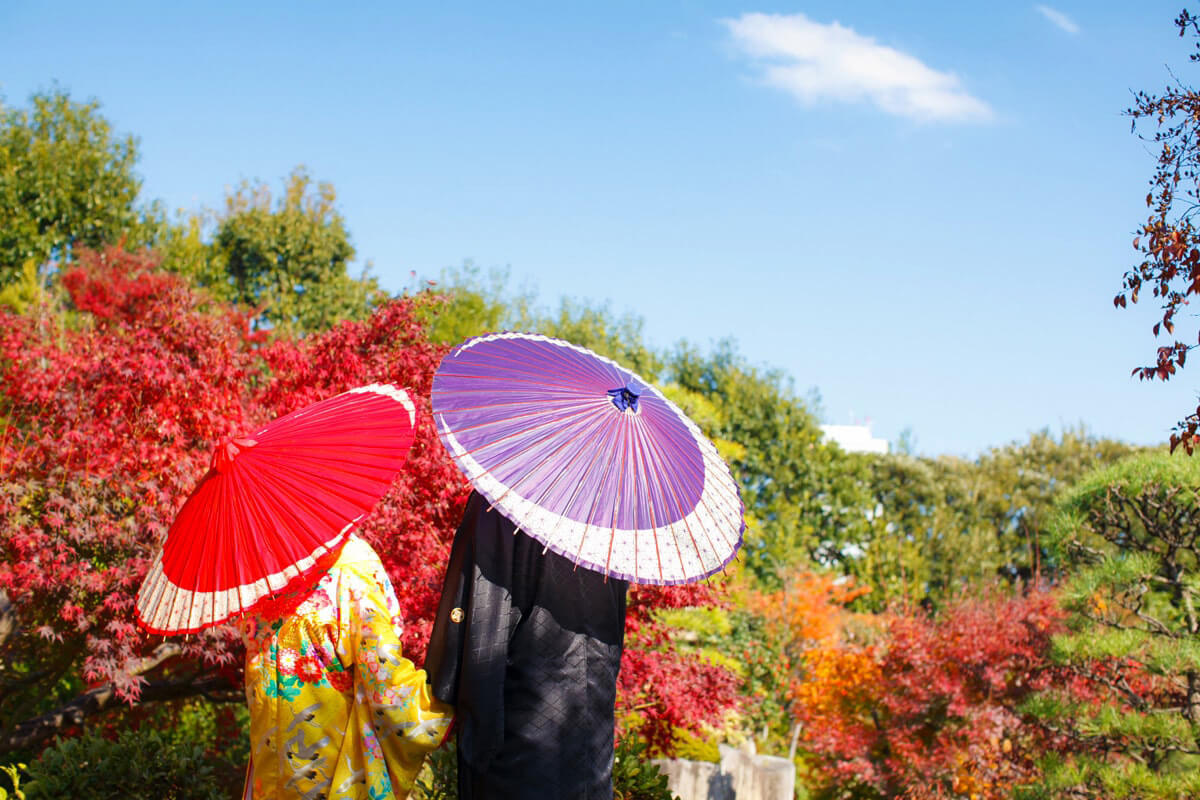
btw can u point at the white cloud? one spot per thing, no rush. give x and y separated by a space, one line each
816 62
1060 19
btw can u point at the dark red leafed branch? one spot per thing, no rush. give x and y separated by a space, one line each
1168 241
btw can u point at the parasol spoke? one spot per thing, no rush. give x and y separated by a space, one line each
253 526
249 549
326 485
562 471
551 423
540 411
606 431
711 464
612 537
579 484
557 358
195 556
649 506
724 498
682 514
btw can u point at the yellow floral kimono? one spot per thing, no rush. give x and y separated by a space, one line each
336 712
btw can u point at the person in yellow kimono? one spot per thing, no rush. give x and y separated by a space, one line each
336 712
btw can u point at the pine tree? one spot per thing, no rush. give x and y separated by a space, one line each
1127 712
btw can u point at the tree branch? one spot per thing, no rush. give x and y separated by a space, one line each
8 618
34 732
1148 629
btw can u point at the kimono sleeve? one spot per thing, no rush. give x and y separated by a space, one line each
408 721
468 650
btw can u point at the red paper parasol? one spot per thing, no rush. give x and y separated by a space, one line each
275 508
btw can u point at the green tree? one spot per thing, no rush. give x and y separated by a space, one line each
1020 484
25 290
66 179
471 303
474 303
1130 536
940 524
285 257
805 500
597 327
913 550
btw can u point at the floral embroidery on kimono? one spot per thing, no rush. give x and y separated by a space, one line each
336 711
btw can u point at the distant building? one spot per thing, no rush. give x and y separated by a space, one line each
854 438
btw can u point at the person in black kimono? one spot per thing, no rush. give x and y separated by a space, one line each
527 649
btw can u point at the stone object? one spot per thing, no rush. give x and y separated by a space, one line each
742 774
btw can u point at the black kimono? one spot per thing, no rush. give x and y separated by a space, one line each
526 648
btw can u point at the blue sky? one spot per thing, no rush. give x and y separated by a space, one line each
923 210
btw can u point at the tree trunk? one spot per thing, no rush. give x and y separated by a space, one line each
33 732
8 618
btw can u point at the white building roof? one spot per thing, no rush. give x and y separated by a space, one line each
854 438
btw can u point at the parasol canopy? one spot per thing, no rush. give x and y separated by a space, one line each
275 508
587 458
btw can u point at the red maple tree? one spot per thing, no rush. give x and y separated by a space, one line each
110 413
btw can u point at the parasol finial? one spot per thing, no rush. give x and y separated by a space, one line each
624 398
227 451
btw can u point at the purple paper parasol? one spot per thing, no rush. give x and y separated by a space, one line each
587 458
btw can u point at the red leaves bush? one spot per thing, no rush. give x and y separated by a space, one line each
661 690
938 718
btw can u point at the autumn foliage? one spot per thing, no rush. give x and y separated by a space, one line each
908 703
930 708
106 418
110 411
660 689
1168 242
